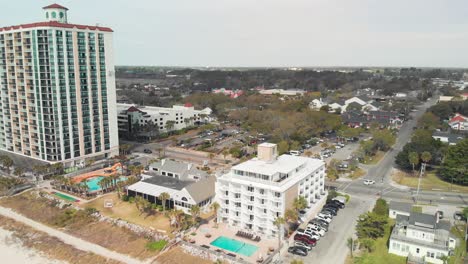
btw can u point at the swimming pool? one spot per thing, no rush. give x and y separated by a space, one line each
234 246
93 183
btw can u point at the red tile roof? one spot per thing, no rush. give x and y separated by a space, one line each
188 104
133 109
54 6
458 118
55 24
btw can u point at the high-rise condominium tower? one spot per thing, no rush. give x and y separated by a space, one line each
57 90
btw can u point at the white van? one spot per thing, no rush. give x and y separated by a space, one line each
294 152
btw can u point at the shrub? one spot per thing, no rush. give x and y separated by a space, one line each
156 245
90 210
131 199
125 198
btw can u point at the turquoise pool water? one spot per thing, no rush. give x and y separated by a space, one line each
93 183
235 246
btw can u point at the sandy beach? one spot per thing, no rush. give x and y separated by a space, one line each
12 251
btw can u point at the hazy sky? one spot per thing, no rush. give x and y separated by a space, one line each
431 33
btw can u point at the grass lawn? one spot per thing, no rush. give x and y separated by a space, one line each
129 212
429 181
416 209
374 159
357 173
380 255
459 253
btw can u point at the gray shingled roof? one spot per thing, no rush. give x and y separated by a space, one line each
166 181
203 189
399 206
452 138
184 170
423 220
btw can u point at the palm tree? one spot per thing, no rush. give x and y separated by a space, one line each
291 216
179 216
140 203
19 171
7 162
169 125
195 212
279 222
225 153
164 196
171 214
444 258
211 156
413 158
426 156
215 207
300 203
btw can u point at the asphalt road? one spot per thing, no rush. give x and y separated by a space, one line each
332 247
380 173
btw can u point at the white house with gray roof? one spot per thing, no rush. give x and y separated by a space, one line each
422 238
186 185
398 208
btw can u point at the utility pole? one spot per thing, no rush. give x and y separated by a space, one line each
421 173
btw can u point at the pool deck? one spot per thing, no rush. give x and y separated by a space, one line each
96 173
230 232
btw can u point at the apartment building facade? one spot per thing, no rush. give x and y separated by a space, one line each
57 90
131 117
254 193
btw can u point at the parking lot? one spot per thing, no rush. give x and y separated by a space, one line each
332 247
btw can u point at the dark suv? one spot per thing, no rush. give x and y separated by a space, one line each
296 250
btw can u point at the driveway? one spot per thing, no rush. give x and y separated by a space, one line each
332 247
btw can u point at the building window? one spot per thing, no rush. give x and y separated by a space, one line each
61 14
226 193
47 15
252 198
277 194
237 195
250 189
250 207
54 15
417 250
227 202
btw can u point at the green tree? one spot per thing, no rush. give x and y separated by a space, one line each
455 165
169 125
300 203
368 244
19 171
350 243
413 158
426 156
291 216
383 139
371 225
195 212
279 222
7 162
163 197
283 147
381 207
215 207
428 121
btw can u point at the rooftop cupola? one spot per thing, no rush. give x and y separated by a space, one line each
56 12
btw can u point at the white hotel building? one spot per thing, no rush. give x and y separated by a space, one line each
57 90
254 193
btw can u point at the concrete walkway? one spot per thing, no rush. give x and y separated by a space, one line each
68 239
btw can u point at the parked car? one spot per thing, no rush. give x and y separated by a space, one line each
324 218
148 151
331 211
459 216
340 199
309 233
368 182
294 152
316 229
440 214
298 251
319 223
305 239
338 203
327 214
304 245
